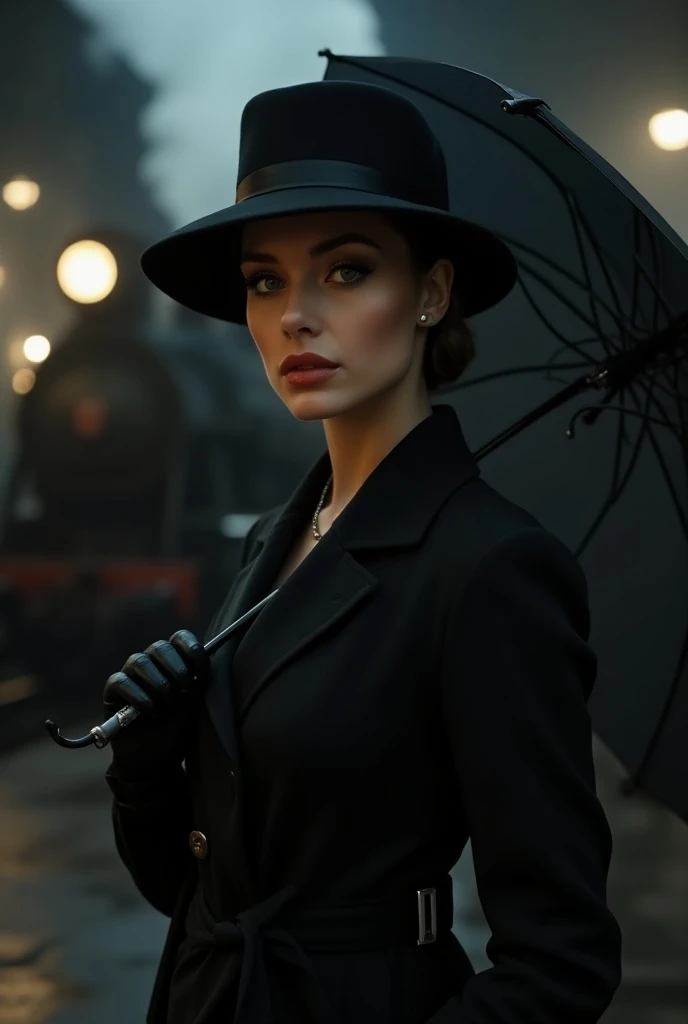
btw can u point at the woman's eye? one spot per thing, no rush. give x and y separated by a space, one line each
268 281
265 284
349 273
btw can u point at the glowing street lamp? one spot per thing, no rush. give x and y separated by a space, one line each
36 348
669 129
87 271
21 193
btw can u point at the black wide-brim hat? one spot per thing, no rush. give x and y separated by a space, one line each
330 145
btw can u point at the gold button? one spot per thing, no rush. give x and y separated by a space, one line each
199 845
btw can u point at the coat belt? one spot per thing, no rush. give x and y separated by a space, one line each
274 929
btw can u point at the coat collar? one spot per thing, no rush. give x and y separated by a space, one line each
393 508
386 511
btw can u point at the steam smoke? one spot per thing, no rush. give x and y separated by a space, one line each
206 58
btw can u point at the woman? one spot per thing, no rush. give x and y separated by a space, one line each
421 675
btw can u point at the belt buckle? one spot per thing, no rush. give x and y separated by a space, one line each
425 934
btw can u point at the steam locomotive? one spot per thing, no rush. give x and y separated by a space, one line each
139 468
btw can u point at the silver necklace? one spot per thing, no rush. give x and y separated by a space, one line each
316 534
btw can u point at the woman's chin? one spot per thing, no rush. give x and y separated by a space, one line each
312 407
315 403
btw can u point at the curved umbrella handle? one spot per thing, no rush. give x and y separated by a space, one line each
101 735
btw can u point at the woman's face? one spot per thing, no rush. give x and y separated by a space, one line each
338 284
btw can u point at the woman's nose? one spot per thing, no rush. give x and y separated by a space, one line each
299 316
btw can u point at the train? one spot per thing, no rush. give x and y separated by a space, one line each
139 466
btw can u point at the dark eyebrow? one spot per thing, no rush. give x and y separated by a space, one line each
317 250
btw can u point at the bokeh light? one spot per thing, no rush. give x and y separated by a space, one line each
87 271
36 348
23 380
669 129
21 193
89 417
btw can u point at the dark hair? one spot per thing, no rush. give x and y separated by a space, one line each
450 346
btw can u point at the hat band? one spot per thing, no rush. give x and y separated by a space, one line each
331 174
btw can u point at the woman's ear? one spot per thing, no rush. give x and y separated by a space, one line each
436 292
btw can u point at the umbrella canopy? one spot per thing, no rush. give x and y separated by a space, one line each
599 318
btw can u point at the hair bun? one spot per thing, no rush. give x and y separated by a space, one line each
450 347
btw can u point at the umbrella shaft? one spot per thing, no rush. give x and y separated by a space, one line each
554 402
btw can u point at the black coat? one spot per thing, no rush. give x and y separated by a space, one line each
421 678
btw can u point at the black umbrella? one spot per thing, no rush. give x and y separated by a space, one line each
598 324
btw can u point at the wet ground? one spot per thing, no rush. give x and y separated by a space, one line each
79 945
77 942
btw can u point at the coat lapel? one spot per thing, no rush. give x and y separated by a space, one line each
331 583
251 584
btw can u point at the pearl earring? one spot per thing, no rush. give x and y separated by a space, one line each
424 317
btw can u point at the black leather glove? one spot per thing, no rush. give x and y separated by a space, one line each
165 683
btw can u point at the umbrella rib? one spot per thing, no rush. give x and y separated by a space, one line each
653 287
566 302
627 412
665 375
624 320
515 370
620 438
628 320
618 485
648 387
577 220
666 389
579 341
545 320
